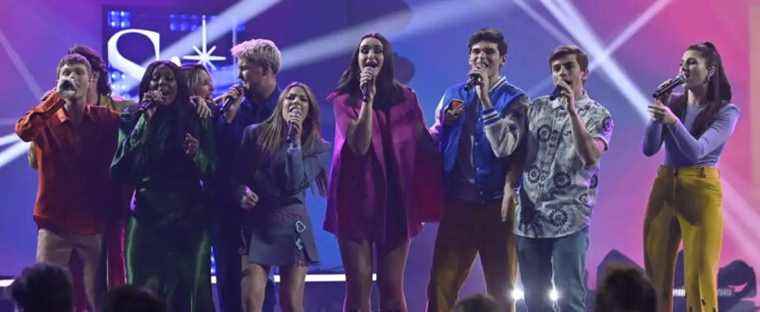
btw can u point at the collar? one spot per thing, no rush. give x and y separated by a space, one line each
498 83
62 117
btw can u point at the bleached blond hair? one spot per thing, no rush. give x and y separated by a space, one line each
261 52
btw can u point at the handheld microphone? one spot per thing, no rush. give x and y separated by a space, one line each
669 86
290 137
472 81
557 92
228 100
149 101
146 105
226 104
364 87
66 86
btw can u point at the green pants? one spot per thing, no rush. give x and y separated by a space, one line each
685 204
170 254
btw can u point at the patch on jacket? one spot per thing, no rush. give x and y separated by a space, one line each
456 103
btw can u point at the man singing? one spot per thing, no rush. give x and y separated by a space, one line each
564 137
250 102
477 181
75 143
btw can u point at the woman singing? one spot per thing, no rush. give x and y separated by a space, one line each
279 159
686 199
385 177
166 151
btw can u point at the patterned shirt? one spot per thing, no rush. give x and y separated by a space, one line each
557 190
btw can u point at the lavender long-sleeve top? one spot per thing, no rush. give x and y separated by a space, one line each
682 148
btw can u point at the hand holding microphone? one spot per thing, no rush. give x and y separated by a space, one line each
559 89
480 80
150 102
231 101
477 77
233 97
367 81
295 120
66 87
659 111
565 90
667 87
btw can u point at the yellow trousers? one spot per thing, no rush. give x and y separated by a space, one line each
685 204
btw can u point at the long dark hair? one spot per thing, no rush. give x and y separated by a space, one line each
273 130
718 90
389 90
181 104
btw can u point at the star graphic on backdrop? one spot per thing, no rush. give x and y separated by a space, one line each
205 55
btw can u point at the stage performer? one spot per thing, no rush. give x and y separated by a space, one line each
278 160
201 86
385 176
74 143
249 102
686 199
167 152
564 136
111 271
474 220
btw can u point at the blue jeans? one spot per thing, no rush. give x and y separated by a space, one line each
561 259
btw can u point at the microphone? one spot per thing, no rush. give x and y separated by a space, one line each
290 138
472 81
557 92
669 85
149 102
146 105
292 132
226 104
364 87
228 99
66 86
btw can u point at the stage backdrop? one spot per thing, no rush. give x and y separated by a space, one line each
633 45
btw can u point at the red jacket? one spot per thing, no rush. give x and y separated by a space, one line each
75 193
